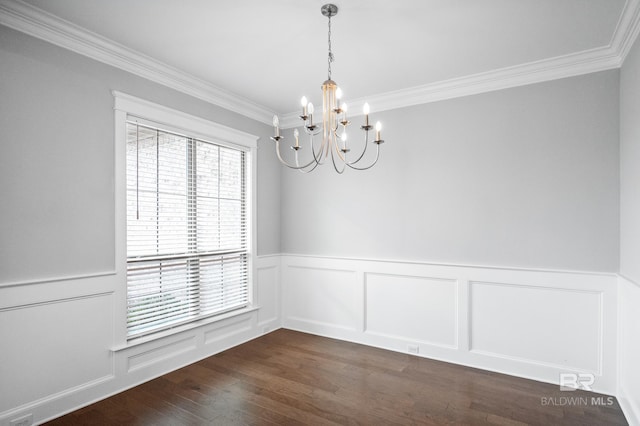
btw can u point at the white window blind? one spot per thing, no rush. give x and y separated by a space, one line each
187 242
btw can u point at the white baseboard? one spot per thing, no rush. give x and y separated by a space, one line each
629 407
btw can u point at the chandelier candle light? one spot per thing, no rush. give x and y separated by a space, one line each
334 125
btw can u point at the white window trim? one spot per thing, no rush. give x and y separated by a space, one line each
182 122
127 107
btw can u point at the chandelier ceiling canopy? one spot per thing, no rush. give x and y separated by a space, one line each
332 128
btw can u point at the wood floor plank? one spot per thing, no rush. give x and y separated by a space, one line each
293 378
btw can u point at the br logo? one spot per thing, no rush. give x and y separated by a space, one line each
573 381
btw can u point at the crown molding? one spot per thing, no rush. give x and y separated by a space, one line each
36 22
571 65
534 72
627 30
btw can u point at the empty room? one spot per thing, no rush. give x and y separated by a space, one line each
311 213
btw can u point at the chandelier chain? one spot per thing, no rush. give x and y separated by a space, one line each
330 58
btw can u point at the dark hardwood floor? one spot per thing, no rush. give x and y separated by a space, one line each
290 378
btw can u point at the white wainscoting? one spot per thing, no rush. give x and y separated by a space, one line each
429 314
537 324
629 349
58 341
528 323
268 293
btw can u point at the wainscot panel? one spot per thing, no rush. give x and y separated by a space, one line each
268 293
49 349
418 309
326 297
557 327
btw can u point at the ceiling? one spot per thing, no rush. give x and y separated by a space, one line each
273 52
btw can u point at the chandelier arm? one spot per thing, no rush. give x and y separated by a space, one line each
335 166
296 156
317 158
328 144
336 137
341 154
291 166
303 170
350 165
364 150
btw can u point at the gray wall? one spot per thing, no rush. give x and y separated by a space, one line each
57 159
629 291
524 177
520 177
630 165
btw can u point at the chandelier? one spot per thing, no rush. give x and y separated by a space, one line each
333 127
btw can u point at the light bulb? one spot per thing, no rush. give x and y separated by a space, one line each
378 126
344 107
343 136
303 101
276 122
338 93
365 108
296 133
310 108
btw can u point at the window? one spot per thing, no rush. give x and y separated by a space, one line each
187 229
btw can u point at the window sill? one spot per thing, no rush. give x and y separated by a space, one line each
180 329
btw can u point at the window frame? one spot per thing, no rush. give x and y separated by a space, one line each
129 108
